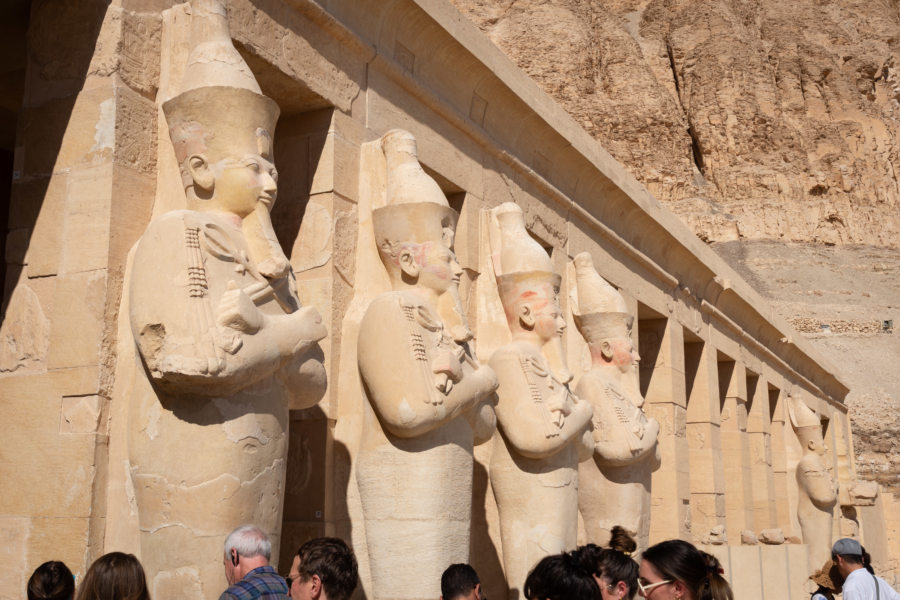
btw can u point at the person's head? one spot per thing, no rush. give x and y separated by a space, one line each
460 582
324 568
849 555
613 568
675 569
561 577
246 548
114 576
51 581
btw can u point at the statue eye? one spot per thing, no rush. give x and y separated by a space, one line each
274 173
253 165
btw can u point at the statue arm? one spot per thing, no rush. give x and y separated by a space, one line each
401 381
615 445
527 422
818 485
201 344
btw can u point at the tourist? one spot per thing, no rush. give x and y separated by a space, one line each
675 569
829 580
51 581
855 566
613 568
460 582
323 569
561 577
247 554
114 576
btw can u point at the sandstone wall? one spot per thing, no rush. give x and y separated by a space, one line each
760 120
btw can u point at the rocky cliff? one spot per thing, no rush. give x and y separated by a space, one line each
773 129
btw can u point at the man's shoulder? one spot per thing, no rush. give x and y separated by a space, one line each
263 583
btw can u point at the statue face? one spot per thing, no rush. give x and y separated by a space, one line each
624 354
241 184
439 269
548 320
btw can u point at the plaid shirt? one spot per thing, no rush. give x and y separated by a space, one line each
261 582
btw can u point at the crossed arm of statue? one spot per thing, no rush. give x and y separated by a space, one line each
415 388
197 330
819 486
537 427
622 434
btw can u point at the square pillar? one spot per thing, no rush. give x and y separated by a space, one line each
735 448
760 441
707 477
780 479
661 344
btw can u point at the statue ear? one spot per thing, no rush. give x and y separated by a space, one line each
201 173
408 263
526 317
606 349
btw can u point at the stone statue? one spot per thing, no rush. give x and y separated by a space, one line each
226 348
542 427
429 400
818 493
614 487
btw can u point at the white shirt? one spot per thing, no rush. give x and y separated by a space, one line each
860 585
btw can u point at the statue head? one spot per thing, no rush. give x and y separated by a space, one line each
602 317
414 230
528 287
807 426
221 128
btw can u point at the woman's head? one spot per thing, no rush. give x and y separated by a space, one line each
51 581
613 568
561 577
114 576
675 569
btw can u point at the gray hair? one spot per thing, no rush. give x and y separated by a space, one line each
249 540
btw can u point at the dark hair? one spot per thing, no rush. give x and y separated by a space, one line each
51 581
333 561
561 577
855 559
613 563
458 580
114 576
699 571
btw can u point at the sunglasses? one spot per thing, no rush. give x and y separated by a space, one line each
645 589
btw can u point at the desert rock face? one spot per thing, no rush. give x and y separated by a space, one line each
772 128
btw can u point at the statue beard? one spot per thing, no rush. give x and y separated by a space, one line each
262 244
556 357
454 316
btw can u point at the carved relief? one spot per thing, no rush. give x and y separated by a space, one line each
542 426
429 400
818 492
224 343
614 487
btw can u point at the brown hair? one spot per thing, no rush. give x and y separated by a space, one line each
114 576
613 563
51 581
700 572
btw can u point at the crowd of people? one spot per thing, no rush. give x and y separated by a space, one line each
325 569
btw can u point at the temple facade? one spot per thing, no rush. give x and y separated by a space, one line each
116 427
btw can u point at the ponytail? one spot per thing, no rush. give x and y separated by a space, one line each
714 586
867 561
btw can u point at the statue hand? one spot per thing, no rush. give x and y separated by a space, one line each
237 311
305 329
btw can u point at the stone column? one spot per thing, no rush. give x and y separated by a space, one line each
666 402
759 438
707 475
779 463
735 449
